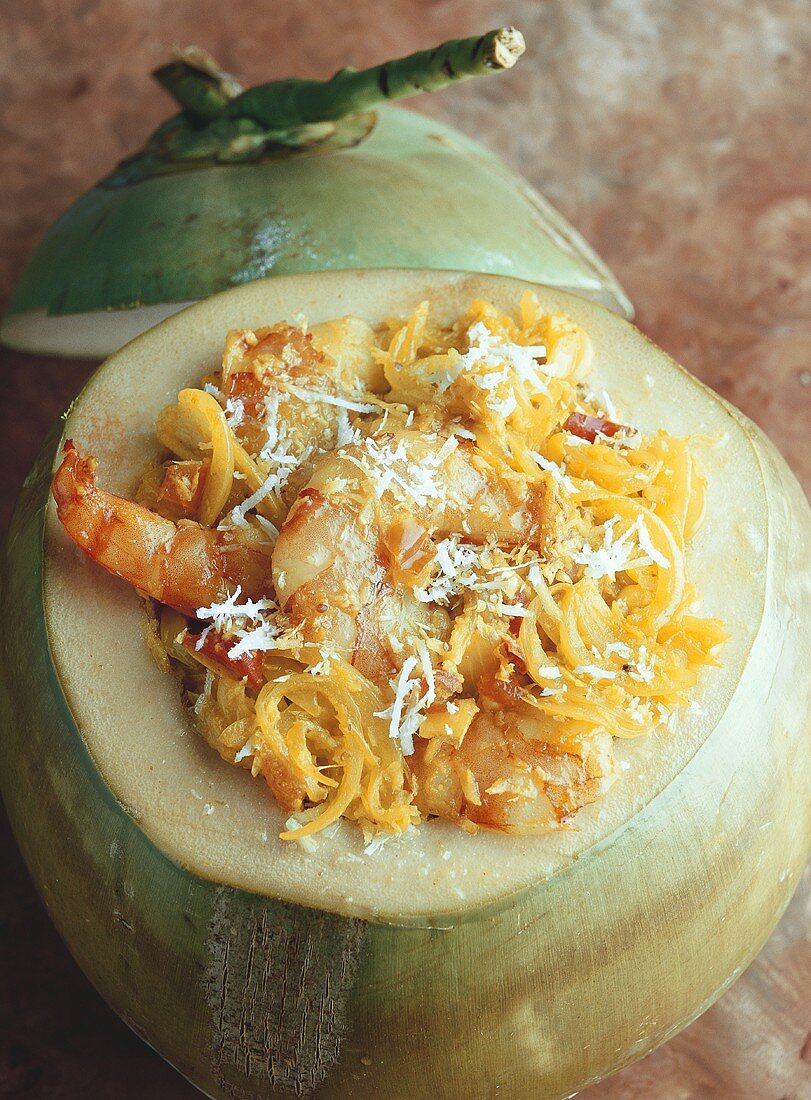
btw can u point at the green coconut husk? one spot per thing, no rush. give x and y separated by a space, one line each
530 966
202 89
287 104
198 84
236 186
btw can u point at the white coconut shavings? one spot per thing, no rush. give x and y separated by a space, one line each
234 411
491 381
629 440
279 454
463 567
376 843
489 358
345 434
378 462
271 421
642 669
640 712
520 786
576 440
594 672
283 463
270 529
512 610
324 665
527 563
503 406
619 555
248 749
317 397
390 469
447 449
273 483
229 614
407 711
463 433
278 448
261 639
247 622
428 674
457 564
647 545
308 843
487 349
609 406
557 472
404 720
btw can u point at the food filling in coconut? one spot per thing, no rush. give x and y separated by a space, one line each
413 571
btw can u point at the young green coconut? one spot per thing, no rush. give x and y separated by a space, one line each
295 175
260 969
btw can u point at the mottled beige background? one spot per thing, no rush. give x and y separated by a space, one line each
675 135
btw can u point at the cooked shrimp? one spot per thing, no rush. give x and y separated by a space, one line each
334 569
509 773
183 565
341 349
288 395
331 575
257 370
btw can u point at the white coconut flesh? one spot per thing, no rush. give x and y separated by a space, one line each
91 335
99 333
215 819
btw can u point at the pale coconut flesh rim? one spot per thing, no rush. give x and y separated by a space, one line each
215 819
91 335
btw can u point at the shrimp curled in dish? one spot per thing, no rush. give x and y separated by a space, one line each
184 565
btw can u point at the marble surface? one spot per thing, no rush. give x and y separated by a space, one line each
674 135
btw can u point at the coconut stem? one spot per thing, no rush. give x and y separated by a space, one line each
198 84
286 104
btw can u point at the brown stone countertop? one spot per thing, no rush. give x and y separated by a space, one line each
674 135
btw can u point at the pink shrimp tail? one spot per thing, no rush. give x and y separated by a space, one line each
75 478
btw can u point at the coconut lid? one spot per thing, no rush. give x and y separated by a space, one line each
291 176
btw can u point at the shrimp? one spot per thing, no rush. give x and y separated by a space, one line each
367 519
287 395
183 565
257 370
511 772
331 575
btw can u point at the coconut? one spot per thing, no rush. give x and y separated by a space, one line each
442 964
285 177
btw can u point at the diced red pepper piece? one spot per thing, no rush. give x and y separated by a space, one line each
215 648
587 427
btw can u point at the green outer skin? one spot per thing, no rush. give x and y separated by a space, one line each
538 996
415 193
